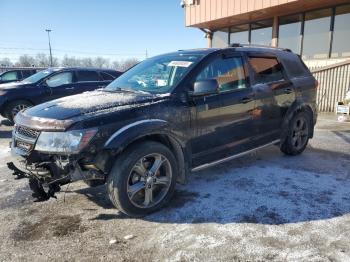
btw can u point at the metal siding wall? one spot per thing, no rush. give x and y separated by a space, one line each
208 10
334 83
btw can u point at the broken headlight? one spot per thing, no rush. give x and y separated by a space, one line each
64 142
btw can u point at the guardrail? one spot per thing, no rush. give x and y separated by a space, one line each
334 83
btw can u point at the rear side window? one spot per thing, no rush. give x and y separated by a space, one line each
27 73
295 67
229 73
87 76
9 76
267 69
106 76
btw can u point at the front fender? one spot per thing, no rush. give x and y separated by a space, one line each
132 131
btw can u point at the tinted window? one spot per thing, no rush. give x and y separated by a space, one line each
261 33
26 73
266 69
290 32
9 76
294 65
220 38
239 34
85 76
60 79
316 34
229 73
341 35
106 76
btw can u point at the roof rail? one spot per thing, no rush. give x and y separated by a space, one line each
261 46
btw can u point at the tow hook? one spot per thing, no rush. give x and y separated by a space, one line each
16 172
39 192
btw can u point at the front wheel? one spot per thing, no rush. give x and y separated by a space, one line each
143 179
15 107
298 134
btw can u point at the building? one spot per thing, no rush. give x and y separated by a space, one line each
318 30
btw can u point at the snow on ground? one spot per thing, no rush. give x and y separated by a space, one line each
261 207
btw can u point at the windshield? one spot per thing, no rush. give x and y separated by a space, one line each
155 75
37 77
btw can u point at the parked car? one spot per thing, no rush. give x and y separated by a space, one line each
165 117
16 75
51 84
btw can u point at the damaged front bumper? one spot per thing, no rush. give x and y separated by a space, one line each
50 170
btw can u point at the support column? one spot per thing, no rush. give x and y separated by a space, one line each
209 36
274 42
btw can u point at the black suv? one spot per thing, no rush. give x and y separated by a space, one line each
16 75
50 84
165 117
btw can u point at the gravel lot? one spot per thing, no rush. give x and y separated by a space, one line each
265 206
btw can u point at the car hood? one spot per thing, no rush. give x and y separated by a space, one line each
12 85
71 109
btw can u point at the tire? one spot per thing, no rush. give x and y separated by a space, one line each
14 107
298 134
142 179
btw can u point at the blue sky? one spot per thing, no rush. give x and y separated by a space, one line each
115 29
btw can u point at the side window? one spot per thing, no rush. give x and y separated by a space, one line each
87 76
229 73
27 73
9 76
60 79
107 76
267 69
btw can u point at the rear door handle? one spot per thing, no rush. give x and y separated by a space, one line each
288 90
246 100
69 88
102 86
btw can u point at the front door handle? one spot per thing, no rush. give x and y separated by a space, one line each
69 88
288 90
246 100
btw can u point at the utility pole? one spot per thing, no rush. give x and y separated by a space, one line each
48 35
146 54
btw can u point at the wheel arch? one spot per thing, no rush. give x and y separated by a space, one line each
298 106
150 130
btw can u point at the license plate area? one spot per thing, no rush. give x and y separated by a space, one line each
24 146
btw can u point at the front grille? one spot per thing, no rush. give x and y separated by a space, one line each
25 138
27 132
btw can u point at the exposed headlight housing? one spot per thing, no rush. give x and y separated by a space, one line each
70 142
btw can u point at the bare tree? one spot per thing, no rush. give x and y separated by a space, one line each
101 62
126 64
26 61
42 60
5 61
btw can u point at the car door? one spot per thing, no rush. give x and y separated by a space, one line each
88 80
223 121
59 85
274 95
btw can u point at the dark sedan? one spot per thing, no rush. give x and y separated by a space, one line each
50 84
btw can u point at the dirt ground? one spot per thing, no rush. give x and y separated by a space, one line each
261 207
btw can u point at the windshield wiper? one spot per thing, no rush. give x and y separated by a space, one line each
121 89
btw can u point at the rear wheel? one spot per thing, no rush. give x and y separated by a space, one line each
298 134
143 179
15 107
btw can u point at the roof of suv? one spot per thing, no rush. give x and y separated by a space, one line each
244 48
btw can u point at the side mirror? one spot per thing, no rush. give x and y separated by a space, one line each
205 87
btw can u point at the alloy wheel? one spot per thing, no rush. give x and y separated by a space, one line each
149 180
300 133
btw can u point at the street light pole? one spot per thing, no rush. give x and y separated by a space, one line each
48 35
